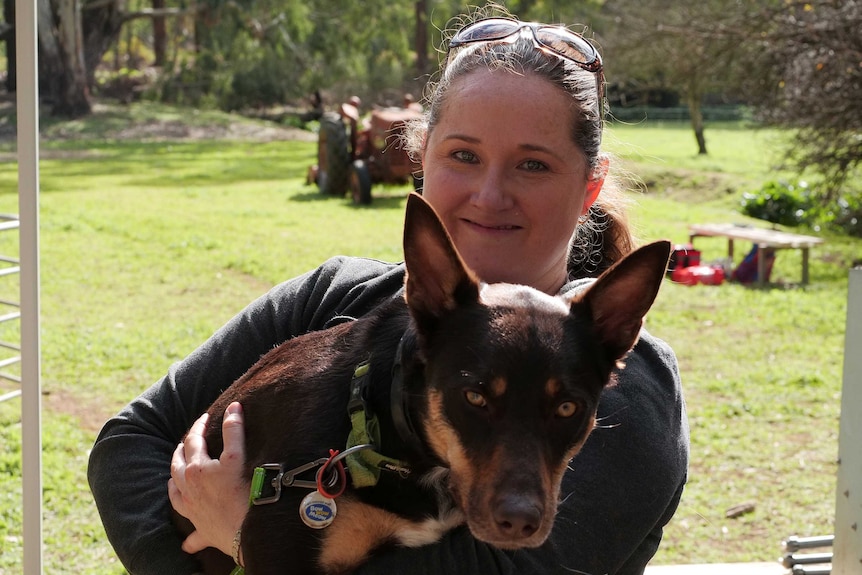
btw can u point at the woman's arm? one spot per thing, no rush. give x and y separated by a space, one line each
130 462
129 465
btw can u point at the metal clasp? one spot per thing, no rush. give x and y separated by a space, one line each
287 479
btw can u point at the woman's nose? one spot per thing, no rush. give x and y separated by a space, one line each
492 191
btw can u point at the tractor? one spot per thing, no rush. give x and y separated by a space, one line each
353 155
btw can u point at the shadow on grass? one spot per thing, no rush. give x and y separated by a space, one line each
383 198
156 165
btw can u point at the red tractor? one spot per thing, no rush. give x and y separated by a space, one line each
350 157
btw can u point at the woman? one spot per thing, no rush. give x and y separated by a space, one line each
512 163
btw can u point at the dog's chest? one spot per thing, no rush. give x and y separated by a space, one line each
431 527
430 530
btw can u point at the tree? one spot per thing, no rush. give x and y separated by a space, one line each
8 37
160 34
692 48
73 37
62 69
807 76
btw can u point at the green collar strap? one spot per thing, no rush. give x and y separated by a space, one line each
365 465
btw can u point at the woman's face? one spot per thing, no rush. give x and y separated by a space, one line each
502 170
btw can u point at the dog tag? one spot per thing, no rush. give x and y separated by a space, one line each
316 510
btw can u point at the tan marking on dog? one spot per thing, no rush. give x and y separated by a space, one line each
558 473
442 437
360 528
553 387
357 530
444 441
498 387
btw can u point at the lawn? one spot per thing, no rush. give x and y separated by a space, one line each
147 247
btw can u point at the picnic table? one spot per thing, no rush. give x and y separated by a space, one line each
765 239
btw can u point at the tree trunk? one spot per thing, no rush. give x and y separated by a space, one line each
696 114
101 28
11 54
421 38
160 35
50 59
73 97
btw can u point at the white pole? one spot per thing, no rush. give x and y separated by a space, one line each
847 548
28 205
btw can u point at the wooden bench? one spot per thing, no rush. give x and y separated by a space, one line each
765 239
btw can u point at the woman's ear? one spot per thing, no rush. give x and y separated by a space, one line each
595 181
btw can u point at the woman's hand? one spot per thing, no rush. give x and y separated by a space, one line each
211 493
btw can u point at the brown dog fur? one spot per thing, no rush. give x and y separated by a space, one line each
501 385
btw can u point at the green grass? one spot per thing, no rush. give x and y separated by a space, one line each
149 247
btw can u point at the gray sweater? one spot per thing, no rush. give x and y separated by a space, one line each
619 492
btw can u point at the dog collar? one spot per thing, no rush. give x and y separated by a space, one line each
400 413
365 465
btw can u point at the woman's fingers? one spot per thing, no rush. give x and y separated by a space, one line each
211 493
233 435
195 542
195 446
178 466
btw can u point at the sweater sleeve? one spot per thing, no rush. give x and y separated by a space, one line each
129 464
617 495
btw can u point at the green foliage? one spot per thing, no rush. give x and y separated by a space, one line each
846 214
247 55
260 78
268 52
780 202
796 204
130 49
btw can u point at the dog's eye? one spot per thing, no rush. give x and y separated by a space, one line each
475 399
567 409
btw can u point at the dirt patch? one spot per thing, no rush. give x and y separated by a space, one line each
91 413
113 121
241 129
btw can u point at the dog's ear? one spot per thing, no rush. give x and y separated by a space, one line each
438 280
622 295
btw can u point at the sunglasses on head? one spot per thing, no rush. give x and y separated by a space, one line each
556 40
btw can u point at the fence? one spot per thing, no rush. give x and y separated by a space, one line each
10 310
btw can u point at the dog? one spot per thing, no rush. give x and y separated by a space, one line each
464 402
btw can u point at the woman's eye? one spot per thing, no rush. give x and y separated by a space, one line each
475 399
465 156
567 409
534 166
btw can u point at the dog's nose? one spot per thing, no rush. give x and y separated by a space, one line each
517 517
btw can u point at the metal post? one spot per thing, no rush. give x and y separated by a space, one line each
28 204
847 556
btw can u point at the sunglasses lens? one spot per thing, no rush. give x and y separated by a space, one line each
485 30
562 42
568 45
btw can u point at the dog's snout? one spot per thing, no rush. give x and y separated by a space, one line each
517 517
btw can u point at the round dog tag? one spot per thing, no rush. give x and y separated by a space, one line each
317 511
